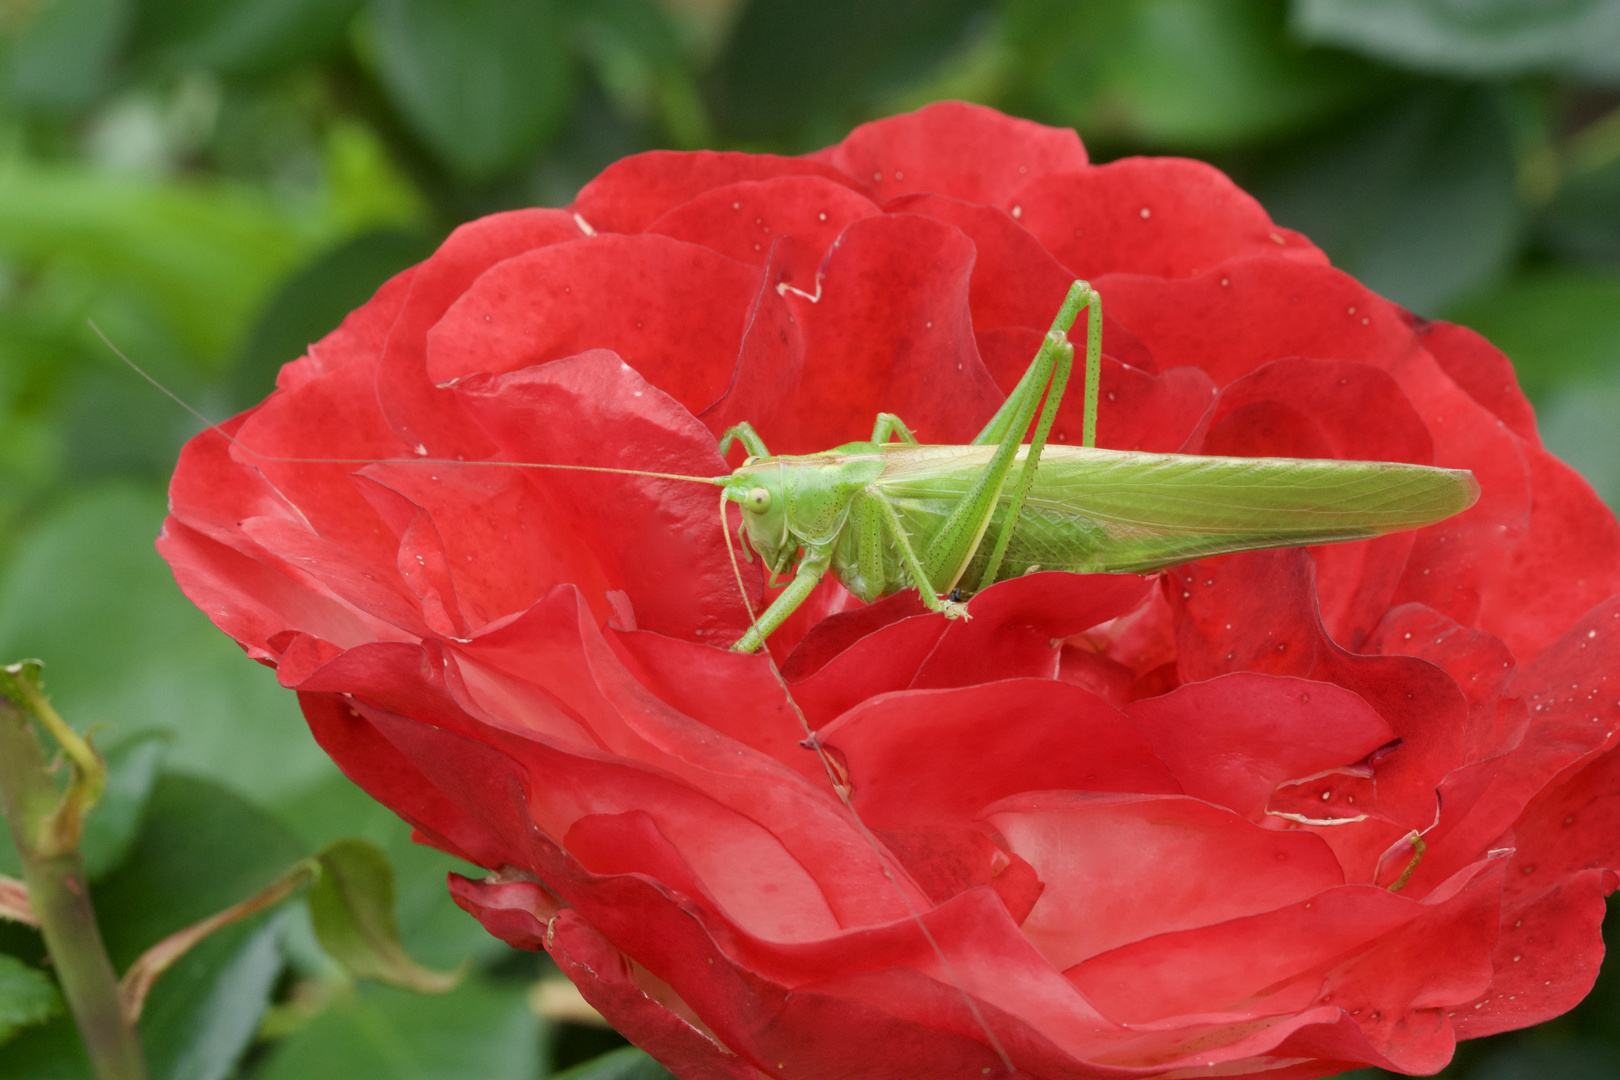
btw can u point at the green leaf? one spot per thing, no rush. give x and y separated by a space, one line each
485 83
27 996
48 1051
205 1011
801 70
200 849
315 300
109 829
1578 424
627 1063
201 256
352 908
63 58
1557 326
1580 38
241 36
482 1029
126 649
1419 201
1561 329
1583 222
431 926
1200 74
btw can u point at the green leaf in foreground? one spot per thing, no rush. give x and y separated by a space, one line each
200 849
27 996
352 908
109 828
481 1029
431 927
624 1064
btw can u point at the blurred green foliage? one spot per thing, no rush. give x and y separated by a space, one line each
216 184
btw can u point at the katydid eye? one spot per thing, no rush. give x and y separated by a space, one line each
759 500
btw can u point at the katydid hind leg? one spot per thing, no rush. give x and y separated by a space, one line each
1037 381
952 546
1032 383
1088 429
1063 365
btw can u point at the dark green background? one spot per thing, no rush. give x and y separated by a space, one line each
216 183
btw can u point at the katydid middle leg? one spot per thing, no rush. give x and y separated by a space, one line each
886 427
743 432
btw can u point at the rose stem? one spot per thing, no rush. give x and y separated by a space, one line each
46 824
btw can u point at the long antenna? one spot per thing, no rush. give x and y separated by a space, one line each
713 481
842 790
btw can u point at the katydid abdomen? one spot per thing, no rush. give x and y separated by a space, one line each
1108 511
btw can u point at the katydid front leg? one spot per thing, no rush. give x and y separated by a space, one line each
812 568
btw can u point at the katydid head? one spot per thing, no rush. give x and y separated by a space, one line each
759 487
799 500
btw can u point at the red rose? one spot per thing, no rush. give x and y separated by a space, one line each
1280 814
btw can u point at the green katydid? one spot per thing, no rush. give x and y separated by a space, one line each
884 517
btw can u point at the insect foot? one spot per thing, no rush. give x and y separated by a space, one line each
953 609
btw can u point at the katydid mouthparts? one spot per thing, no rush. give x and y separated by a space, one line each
949 520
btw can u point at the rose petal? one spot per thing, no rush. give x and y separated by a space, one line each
1232 740
1168 217
954 149
423 415
673 311
1484 371
743 221
633 192
660 541
905 752
1568 560
1099 854
1255 611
